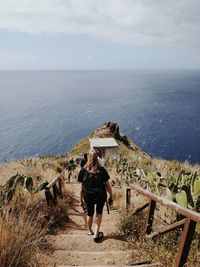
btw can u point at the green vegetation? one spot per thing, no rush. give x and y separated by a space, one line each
177 183
16 183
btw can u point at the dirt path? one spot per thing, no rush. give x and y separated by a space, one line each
73 247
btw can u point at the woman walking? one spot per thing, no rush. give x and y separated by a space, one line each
94 185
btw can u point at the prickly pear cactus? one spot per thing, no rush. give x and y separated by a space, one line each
29 183
180 177
10 195
196 187
197 204
188 192
181 199
16 182
10 182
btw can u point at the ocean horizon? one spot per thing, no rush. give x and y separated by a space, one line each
47 112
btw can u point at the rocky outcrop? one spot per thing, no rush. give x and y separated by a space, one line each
111 128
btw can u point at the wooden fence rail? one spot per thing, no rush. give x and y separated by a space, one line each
57 190
187 225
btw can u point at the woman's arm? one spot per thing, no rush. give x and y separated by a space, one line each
80 179
109 189
81 196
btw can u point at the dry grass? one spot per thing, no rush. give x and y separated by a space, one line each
58 216
119 199
81 147
45 168
22 228
23 225
20 240
132 227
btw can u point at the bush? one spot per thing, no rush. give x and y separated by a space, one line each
130 225
58 215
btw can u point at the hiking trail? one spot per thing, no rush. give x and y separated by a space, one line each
73 247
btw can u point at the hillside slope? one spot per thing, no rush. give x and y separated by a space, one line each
129 165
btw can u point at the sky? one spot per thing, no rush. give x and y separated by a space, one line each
99 34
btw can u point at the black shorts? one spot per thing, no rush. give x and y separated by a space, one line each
91 202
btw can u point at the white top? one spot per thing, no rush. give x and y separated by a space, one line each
103 142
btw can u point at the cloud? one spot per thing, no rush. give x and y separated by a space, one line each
138 22
9 56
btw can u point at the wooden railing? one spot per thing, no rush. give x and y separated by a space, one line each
187 225
54 190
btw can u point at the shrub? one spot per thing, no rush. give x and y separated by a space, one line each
58 215
130 225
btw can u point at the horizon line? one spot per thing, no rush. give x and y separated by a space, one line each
105 69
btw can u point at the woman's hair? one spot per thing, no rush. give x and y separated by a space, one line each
92 163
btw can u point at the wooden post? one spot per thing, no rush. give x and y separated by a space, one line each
128 198
55 192
60 187
150 217
185 242
49 197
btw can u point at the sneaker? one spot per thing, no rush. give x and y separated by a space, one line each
98 237
90 232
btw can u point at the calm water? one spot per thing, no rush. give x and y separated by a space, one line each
47 112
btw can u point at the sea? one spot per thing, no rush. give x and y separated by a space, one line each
47 112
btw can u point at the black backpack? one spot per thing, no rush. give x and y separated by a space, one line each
93 184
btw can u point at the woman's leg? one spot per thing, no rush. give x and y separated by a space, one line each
99 211
89 222
98 220
90 212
